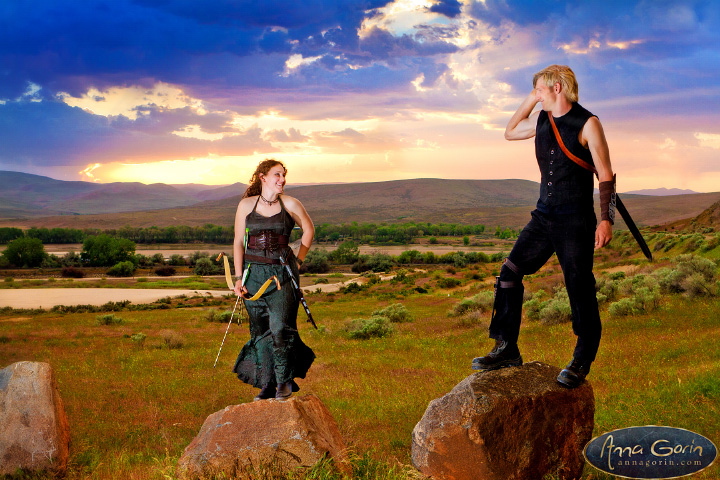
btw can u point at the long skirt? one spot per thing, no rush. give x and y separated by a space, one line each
275 353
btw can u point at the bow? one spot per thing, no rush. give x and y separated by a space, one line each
231 286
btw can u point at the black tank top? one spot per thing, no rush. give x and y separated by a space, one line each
281 223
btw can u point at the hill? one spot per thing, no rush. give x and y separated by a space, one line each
661 192
490 202
24 195
707 220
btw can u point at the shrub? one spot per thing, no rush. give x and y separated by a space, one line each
377 262
352 287
481 302
122 269
623 307
158 259
172 339
204 266
396 313
448 282
51 261
557 309
218 316
108 319
72 259
459 260
316 261
697 285
72 272
693 275
537 302
363 329
608 287
165 271
177 260
138 338
347 253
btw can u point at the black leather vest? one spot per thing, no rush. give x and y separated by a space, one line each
562 180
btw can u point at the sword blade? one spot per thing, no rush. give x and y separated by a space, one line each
633 228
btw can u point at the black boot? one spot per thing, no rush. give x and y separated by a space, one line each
504 354
284 390
574 374
268 391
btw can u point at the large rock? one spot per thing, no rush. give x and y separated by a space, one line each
512 423
281 434
34 431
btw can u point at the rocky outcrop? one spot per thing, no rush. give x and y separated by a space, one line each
34 433
280 435
508 424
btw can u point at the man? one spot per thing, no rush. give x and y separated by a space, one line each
564 221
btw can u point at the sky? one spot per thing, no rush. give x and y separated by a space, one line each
183 91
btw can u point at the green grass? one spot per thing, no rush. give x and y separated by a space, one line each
133 407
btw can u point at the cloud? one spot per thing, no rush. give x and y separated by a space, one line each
449 8
709 140
53 133
291 135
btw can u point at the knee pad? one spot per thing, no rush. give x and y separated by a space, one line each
510 275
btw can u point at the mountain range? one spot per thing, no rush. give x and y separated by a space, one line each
30 200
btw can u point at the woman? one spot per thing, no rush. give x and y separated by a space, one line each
265 217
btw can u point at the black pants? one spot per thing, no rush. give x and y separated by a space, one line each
572 238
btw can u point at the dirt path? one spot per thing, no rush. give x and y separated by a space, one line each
50 297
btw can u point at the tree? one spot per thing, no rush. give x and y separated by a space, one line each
105 251
8 234
25 252
347 253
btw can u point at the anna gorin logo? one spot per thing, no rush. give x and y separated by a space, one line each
650 452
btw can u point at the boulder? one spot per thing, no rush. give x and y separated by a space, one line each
34 431
281 435
509 424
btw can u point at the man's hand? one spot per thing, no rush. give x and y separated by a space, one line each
603 234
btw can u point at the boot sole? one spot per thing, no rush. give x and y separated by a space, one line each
515 362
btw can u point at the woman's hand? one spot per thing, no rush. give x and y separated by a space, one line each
240 289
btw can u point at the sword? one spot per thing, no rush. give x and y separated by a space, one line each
299 292
632 227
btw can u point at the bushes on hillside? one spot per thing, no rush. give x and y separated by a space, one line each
165 271
122 269
316 261
204 266
366 328
396 313
72 272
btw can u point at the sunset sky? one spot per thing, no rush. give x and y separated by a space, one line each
186 91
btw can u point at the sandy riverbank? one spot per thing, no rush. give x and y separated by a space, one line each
50 297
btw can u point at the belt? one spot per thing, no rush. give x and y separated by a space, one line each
259 259
267 240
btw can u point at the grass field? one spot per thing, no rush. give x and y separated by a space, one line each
133 407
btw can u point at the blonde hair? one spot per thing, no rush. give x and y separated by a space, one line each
255 187
563 75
